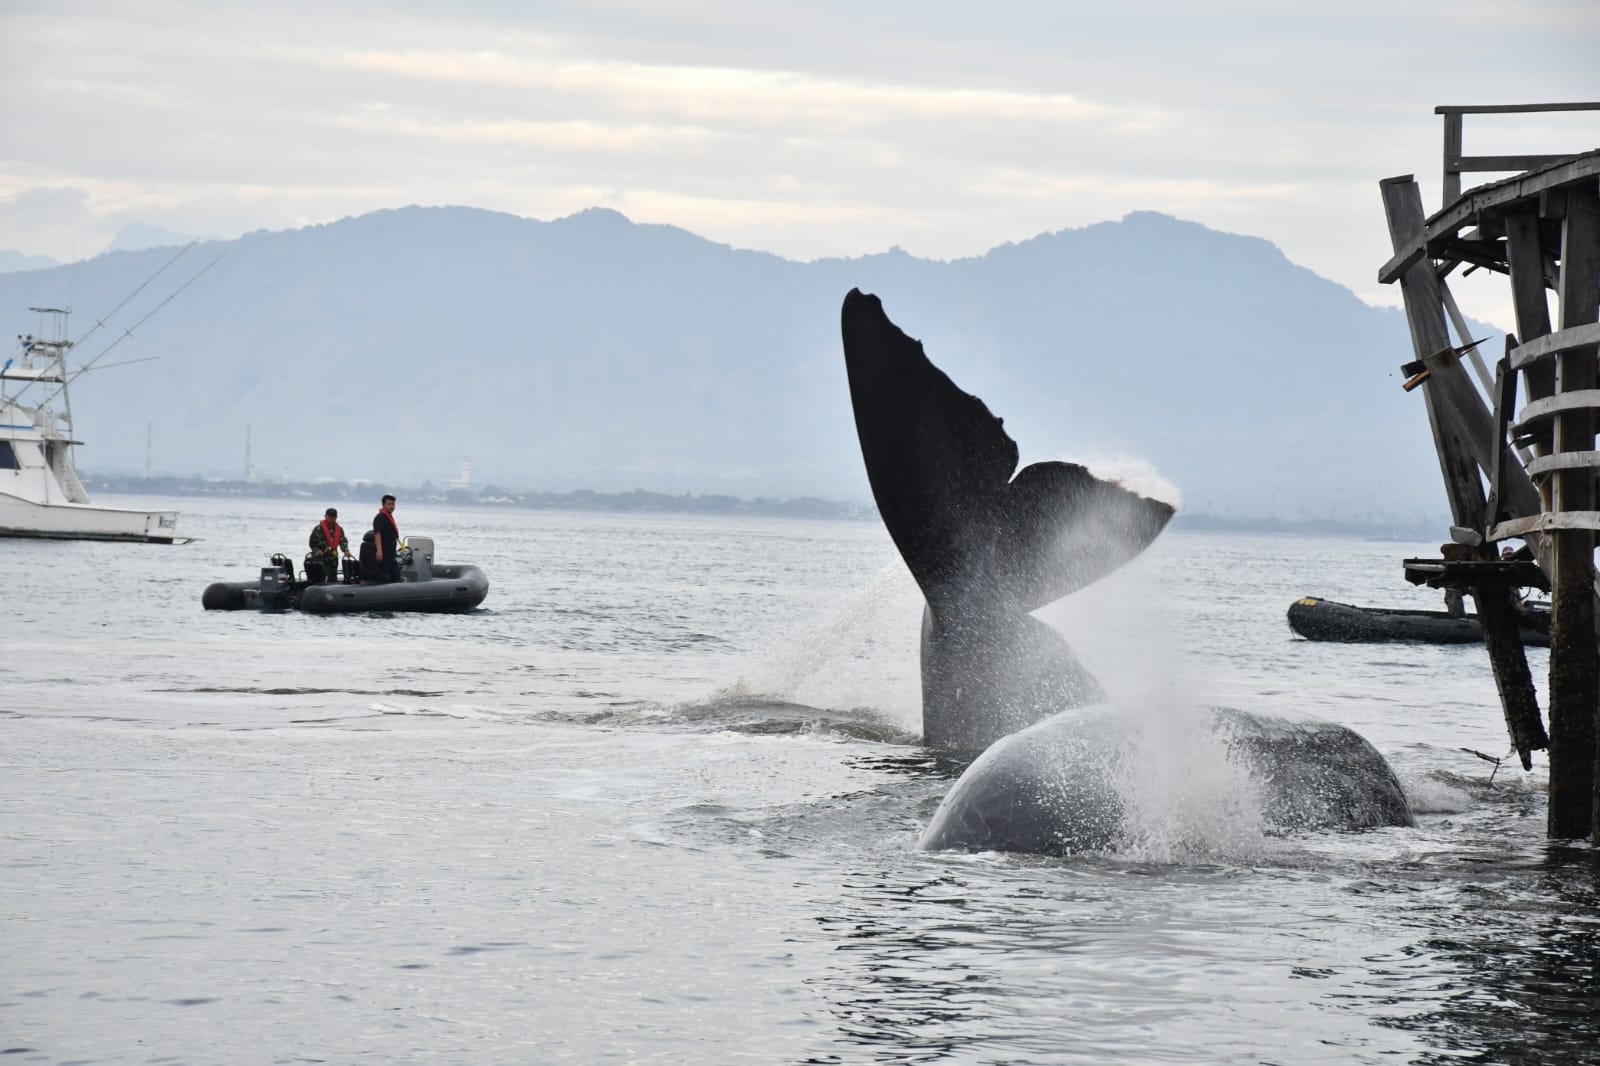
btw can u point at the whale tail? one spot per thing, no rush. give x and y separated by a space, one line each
985 542
941 467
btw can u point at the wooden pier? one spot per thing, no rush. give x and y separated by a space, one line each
1511 473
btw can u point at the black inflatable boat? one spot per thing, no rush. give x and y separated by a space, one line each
1327 620
423 586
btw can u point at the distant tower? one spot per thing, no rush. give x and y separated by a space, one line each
249 467
147 449
465 480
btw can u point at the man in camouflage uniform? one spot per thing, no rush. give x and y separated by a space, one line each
327 541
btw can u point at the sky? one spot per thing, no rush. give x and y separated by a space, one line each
808 129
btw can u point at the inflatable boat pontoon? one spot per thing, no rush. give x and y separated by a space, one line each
1327 620
423 586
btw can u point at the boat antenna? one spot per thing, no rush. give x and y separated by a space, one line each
99 322
128 330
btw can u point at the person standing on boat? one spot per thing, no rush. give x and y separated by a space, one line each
327 541
386 540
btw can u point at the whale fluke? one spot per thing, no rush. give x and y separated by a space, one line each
986 547
941 463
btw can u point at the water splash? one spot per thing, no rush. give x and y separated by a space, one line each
862 658
1185 791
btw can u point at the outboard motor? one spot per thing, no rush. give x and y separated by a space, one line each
417 559
352 570
316 572
277 584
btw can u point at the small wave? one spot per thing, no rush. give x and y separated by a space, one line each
254 691
751 716
767 716
1432 795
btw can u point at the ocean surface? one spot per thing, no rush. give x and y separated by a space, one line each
658 801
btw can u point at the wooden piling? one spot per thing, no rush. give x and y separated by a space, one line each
1574 665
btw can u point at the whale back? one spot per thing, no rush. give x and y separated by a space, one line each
1057 788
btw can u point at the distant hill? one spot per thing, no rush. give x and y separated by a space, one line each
591 352
12 261
137 236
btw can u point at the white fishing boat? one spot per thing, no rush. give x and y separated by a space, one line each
40 492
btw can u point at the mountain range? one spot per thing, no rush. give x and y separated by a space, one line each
594 352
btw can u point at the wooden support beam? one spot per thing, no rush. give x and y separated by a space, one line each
1402 203
1525 256
1574 663
1468 348
1483 569
1451 186
1505 401
1519 701
1463 406
1489 254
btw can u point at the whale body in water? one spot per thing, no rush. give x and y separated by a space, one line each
1061 786
989 544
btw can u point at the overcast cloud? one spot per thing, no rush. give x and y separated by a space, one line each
807 129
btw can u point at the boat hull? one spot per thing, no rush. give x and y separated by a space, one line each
78 521
1327 620
452 588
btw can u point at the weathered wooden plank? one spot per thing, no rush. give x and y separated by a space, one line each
1545 409
1511 109
1553 344
1548 522
1479 164
1404 258
1546 465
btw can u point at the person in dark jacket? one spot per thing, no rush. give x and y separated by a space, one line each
386 540
327 542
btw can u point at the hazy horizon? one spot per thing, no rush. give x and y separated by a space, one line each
597 353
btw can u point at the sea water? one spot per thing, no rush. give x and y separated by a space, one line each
658 800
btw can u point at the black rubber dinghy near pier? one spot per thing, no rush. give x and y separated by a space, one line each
1327 620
